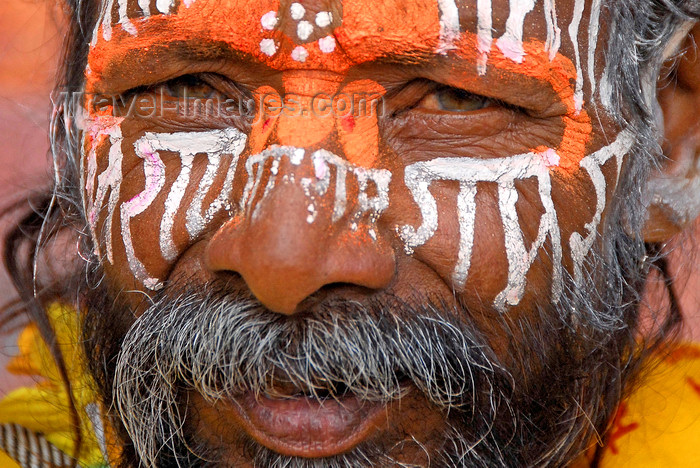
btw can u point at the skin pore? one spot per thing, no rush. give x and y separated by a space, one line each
475 170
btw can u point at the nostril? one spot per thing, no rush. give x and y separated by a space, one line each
286 261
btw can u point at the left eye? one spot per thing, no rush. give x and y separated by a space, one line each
449 99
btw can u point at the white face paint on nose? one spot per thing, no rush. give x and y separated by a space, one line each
316 183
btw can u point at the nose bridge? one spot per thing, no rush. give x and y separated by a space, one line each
324 141
319 109
307 214
333 192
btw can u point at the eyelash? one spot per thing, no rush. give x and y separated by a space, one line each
405 101
189 83
186 86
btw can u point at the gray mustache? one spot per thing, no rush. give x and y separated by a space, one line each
222 346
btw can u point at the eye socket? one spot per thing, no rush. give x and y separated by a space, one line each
449 99
188 87
429 97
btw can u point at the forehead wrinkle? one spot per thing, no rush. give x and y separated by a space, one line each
129 60
390 28
141 65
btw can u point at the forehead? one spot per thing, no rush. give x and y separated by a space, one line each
332 35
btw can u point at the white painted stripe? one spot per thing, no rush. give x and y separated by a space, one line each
449 26
573 33
124 20
111 180
484 34
466 208
172 206
593 29
593 163
165 6
511 43
214 143
107 20
605 87
98 23
195 222
553 30
520 258
145 7
503 171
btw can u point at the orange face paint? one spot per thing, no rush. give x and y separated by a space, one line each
259 30
560 74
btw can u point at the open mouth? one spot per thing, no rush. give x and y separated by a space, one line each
311 423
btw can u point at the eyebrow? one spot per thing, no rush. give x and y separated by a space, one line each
115 68
128 62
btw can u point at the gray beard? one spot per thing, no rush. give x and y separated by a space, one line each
561 383
222 346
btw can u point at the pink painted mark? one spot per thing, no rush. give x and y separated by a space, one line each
320 168
269 20
142 200
550 158
511 49
326 44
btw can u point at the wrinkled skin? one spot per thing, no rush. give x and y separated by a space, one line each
272 249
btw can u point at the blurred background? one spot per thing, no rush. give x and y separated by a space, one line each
30 43
31 34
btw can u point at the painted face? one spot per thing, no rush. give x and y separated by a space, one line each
459 150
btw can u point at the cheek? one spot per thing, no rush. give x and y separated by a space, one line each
147 205
519 222
101 178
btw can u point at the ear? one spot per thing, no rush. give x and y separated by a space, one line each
675 187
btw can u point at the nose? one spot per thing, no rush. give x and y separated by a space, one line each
286 246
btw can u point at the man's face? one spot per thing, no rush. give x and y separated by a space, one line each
354 153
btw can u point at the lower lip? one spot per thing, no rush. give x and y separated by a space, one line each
305 427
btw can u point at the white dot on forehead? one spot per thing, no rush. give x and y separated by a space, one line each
323 19
326 44
304 30
268 47
297 10
269 20
300 54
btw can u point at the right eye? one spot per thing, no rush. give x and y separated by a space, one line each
188 86
204 97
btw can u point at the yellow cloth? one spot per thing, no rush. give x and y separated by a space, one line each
7 462
44 408
658 426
